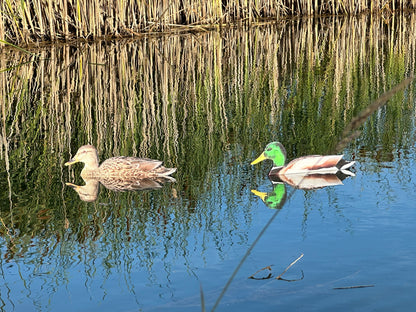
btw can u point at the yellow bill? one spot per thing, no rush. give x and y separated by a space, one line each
262 195
71 162
259 159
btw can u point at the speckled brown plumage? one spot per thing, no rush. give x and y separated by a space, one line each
121 167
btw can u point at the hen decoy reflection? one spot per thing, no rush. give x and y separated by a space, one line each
89 191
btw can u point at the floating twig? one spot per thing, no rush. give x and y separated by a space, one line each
293 280
269 268
353 287
290 265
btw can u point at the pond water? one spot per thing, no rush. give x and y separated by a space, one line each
207 104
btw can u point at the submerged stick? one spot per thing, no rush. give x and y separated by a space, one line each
269 268
290 265
253 276
354 287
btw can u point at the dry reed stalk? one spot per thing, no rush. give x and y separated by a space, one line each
2 22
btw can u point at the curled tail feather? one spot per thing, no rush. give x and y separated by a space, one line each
347 165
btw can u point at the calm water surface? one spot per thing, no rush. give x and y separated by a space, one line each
208 104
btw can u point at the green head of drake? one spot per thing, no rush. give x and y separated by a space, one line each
275 152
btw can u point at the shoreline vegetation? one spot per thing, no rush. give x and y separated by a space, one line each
185 99
25 23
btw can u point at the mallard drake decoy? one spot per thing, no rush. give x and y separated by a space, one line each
120 167
306 165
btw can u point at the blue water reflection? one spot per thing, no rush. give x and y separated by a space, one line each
359 233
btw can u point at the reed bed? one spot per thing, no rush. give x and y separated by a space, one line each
25 22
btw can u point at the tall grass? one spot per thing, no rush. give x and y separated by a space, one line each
24 22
